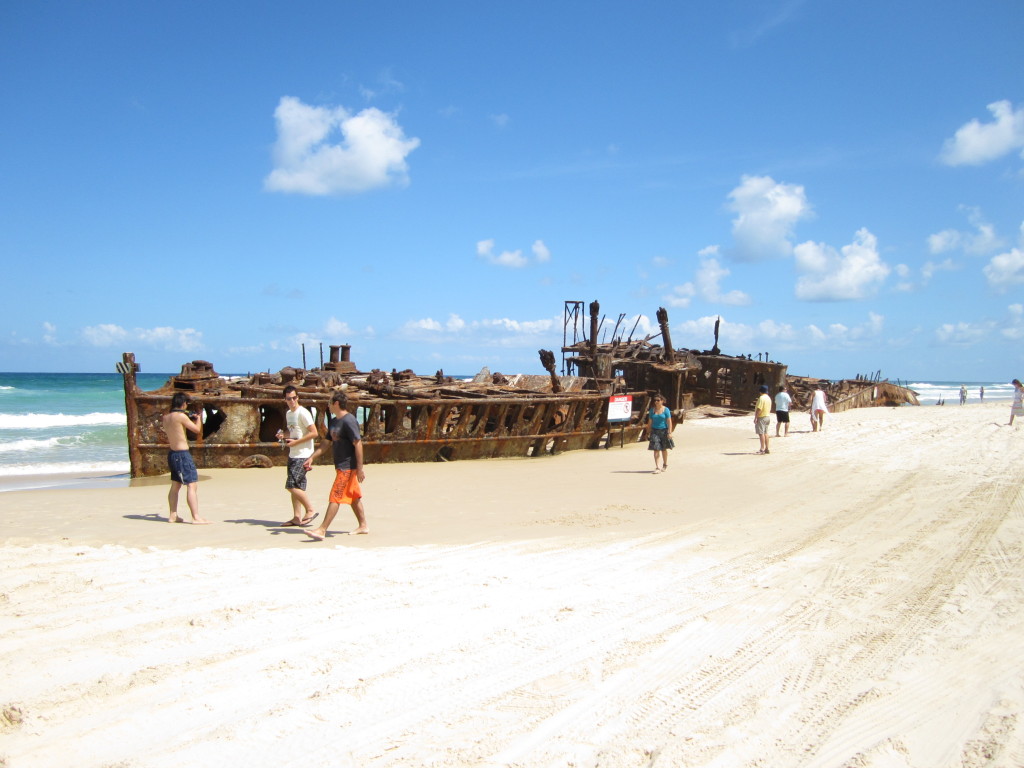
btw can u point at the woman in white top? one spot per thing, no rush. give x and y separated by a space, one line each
819 408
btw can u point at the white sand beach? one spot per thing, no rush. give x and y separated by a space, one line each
855 598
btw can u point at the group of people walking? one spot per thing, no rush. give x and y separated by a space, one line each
661 421
342 438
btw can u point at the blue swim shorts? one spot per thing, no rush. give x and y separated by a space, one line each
183 469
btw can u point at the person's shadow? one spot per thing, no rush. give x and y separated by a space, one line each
274 528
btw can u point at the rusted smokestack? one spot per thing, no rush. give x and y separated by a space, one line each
595 311
346 353
335 353
666 337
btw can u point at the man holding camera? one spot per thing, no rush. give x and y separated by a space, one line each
179 460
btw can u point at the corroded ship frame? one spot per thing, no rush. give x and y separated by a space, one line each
406 418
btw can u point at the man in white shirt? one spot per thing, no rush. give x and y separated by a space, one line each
300 439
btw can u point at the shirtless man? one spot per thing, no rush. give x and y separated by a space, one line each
179 460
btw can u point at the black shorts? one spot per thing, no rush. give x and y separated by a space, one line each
782 416
296 474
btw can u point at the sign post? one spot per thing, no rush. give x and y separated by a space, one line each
620 411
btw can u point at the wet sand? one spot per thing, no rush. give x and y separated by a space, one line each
854 598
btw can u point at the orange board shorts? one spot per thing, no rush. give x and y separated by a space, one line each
346 487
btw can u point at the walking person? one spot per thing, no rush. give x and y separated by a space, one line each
782 403
819 407
661 431
300 439
1017 409
179 461
763 418
963 394
347 447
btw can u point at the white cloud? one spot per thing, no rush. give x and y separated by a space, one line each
513 259
370 150
501 332
162 337
426 324
963 334
335 328
500 120
1005 270
984 240
1014 328
976 143
105 335
767 213
49 333
827 275
681 295
931 267
984 332
709 274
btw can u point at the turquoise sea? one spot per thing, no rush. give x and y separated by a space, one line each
68 424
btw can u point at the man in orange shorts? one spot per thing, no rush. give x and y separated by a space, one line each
347 446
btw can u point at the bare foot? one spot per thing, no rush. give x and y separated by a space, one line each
174 519
360 530
201 521
316 535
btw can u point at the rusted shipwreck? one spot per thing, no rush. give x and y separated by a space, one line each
405 417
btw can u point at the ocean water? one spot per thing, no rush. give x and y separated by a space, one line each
64 423
74 423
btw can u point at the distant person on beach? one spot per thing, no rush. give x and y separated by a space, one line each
763 418
981 394
963 394
347 446
179 460
782 403
661 433
1017 409
300 438
819 407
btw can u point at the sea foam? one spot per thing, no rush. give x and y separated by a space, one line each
50 420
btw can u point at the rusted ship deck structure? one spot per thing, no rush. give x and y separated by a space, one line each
405 417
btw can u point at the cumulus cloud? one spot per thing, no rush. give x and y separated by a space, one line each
162 337
514 259
1005 270
827 275
976 143
503 331
706 284
982 240
767 212
328 150
709 275
681 295
967 334
770 334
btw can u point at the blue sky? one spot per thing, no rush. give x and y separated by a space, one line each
842 183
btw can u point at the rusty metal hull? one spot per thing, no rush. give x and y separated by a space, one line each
241 420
